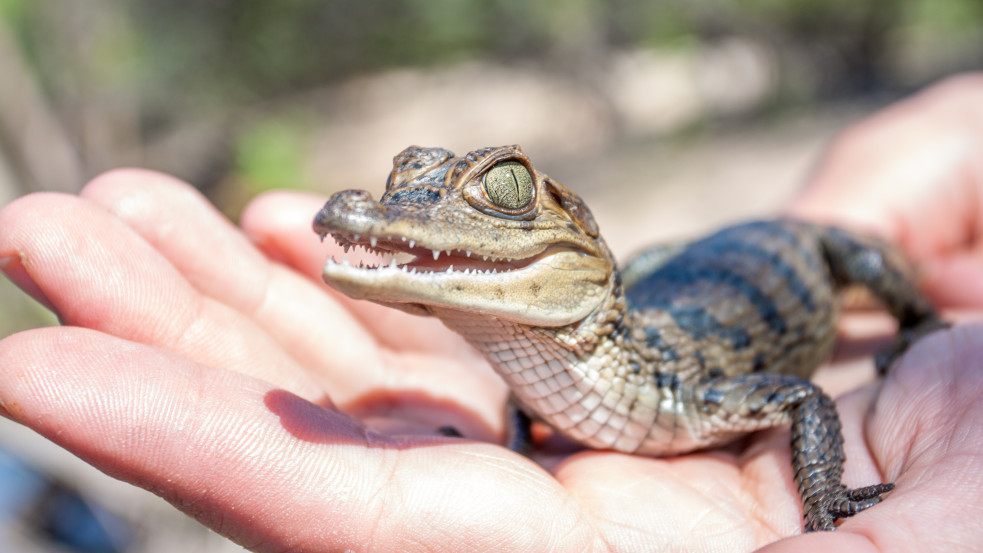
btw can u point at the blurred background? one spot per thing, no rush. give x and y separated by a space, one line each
668 116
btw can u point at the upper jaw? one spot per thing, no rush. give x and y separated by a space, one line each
353 218
388 255
409 252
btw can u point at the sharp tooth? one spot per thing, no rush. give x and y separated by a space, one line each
346 247
436 254
394 264
412 242
468 252
450 269
373 241
484 258
344 261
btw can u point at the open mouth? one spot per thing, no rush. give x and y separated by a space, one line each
426 278
406 255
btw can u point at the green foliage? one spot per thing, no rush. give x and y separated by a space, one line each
118 54
181 55
946 16
13 11
173 63
20 311
269 155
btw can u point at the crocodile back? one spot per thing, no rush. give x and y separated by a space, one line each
757 297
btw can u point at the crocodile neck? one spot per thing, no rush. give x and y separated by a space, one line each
578 376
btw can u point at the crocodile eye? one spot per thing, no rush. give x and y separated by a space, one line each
509 185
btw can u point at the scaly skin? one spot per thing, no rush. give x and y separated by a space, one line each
704 341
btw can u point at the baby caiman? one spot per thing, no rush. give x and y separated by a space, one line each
691 345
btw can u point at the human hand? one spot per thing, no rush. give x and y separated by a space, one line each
195 367
913 173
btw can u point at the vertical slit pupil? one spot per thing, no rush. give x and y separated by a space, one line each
515 181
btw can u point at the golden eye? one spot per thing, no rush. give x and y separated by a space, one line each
509 185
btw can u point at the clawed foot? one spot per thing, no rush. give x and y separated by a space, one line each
905 339
842 503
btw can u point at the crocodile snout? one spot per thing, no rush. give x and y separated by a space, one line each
348 210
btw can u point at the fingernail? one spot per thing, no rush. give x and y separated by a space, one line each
12 267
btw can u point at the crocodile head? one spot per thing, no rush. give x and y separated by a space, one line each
484 232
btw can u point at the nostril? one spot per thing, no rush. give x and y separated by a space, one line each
348 197
357 195
349 209
350 200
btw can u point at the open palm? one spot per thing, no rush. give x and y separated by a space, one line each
192 365
286 417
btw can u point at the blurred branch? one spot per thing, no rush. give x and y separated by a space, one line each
38 151
8 184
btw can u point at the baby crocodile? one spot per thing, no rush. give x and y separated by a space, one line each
690 346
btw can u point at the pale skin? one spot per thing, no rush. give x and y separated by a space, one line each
210 365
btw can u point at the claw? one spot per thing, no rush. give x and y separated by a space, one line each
904 340
843 503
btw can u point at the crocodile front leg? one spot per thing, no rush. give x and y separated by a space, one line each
756 401
817 456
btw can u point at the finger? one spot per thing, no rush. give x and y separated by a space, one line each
266 468
281 223
96 273
823 542
927 423
956 280
309 324
911 172
221 263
